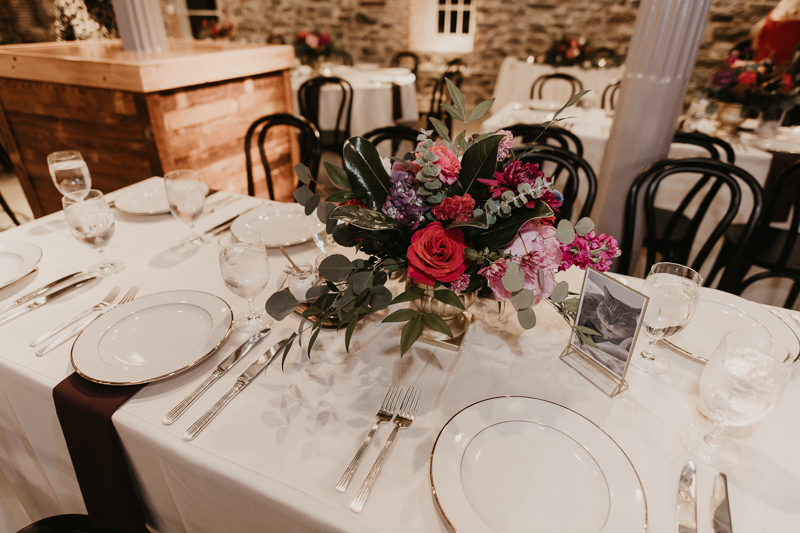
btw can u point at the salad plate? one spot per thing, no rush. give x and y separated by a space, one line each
280 224
17 260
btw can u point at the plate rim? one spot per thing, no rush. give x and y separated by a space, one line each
256 212
24 272
149 213
169 374
436 441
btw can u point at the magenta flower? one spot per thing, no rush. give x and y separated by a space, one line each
590 250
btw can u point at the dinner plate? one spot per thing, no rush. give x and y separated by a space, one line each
152 338
146 198
788 146
280 224
17 260
515 464
718 313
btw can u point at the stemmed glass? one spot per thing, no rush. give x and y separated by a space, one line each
245 271
674 291
69 171
186 197
90 221
741 383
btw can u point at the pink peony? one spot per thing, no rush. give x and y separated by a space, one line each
457 208
505 145
312 40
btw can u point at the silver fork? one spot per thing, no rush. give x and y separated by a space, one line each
130 295
106 302
404 418
385 414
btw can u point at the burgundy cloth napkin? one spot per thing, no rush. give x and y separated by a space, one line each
397 103
84 411
780 162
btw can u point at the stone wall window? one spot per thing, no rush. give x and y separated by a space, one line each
446 26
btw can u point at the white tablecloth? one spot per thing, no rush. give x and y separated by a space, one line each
271 459
372 98
516 77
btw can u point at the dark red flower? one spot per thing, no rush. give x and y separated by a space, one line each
457 208
436 254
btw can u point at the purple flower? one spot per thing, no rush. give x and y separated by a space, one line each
404 203
719 80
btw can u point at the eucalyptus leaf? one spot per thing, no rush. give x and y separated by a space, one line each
480 110
411 332
523 299
380 298
343 236
330 225
365 218
584 226
440 128
413 293
316 291
401 315
324 213
527 318
302 195
337 175
335 268
565 233
361 281
303 173
514 278
448 297
457 97
281 304
312 203
365 172
560 292
479 162
436 322
453 111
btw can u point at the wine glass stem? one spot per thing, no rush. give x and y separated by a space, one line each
252 305
647 353
103 258
194 236
713 438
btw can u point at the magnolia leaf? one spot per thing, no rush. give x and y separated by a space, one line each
401 315
480 110
335 268
437 323
281 304
361 281
380 298
302 194
457 98
514 278
453 111
337 175
479 162
560 292
440 128
411 294
588 331
365 218
505 230
340 196
312 203
411 332
523 299
527 318
565 233
365 172
303 173
481 221
449 297
584 226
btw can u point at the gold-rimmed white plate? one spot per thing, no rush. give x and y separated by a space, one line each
514 464
17 260
152 338
280 224
146 198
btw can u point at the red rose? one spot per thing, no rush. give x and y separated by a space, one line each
436 254
748 77
787 83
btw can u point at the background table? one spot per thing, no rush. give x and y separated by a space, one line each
271 459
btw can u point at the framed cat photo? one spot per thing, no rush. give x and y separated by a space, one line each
607 324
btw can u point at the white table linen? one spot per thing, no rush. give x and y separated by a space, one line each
372 98
271 459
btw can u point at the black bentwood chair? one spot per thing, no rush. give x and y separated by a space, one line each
65 523
677 248
609 98
570 170
396 135
308 140
541 81
552 136
308 96
409 59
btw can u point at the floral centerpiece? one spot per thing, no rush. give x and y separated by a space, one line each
310 47
567 51
459 214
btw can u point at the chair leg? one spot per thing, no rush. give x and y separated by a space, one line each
8 210
792 295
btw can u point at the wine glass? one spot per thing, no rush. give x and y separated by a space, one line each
245 271
90 221
674 291
186 197
69 171
741 383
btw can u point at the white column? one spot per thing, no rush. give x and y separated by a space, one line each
141 25
660 61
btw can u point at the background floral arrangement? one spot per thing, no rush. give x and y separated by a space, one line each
568 51
214 29
311 46
459 214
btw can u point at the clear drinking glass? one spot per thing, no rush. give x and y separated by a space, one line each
69 171
245 271
741 383
674 291
91 222
186 197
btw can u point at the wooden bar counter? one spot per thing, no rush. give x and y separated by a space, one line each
134 115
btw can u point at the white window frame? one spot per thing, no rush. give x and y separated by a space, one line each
425 36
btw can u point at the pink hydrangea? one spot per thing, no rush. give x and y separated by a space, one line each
590 250
505 145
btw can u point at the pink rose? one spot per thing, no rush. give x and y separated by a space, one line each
312 40
436 254
448 164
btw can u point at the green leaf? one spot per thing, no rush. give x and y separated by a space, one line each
401 315
313 339
479 162
302 195
456 97
453 111
337 175
316 291
343 236
335 268
584 226
481 221
437 323
411 294
287 347
588 340
312 203
351 326
480 110
572 101
448 297
461 141
361 281
523 299
311 311
380 298
281 304
411 332
565 233
505 230
340 196
365 172
527 318
323 213
365 218
560 292
303 173
588 331
440 128
514 278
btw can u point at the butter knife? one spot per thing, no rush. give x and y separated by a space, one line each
223 367
41 300
242 382
686 512
38 292
224 225
720 506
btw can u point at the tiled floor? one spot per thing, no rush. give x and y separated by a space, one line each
13 195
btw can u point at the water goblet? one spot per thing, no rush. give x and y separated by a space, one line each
90 221
245 271
69 172
674 291
741 383
186 197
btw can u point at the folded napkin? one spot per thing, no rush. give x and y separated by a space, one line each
84 411
397 103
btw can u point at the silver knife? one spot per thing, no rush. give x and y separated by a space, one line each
243 380
38 292
686 512
223 367
720 506
41 300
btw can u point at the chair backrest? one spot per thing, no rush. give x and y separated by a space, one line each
456 65
308 140
394 134
788 183
570 170
308 96
647 183
551 136
539 83
347 59
440 96
711 144
610 93
405 57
